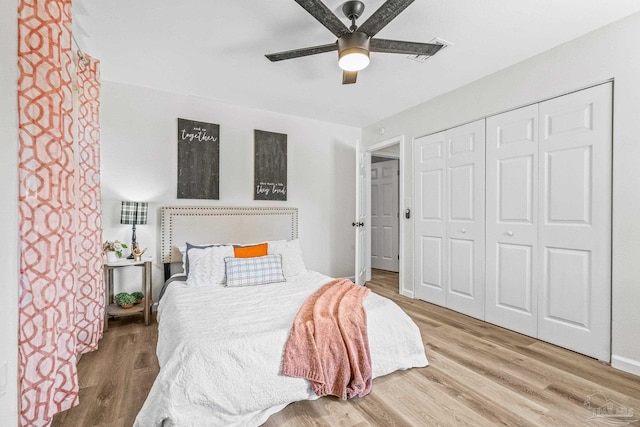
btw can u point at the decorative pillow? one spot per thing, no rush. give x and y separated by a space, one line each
206 265
183 252
292 262
254 271
250 251
185 258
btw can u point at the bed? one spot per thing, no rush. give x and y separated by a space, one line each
220 348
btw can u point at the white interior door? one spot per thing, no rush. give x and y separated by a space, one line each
512 220
449 218
575 211
362 254
465 218
384 215
430 256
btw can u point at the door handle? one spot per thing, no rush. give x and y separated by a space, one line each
464 230
407 213
357 224
509 233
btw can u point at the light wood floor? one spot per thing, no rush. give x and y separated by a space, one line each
479 375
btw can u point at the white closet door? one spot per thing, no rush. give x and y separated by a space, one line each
465 218
449 221
384 215
429 218
575 214
512 220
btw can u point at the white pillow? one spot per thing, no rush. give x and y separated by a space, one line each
253 271
206 265
292 262
183 252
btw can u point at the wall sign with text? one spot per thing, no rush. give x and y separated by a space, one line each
270 167
198 160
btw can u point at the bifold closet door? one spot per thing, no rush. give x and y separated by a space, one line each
465 218
512 220
575 147
430 164
449 222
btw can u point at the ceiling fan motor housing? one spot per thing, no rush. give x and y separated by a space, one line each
353 9
353 51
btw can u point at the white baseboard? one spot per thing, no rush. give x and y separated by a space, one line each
406 293
626 364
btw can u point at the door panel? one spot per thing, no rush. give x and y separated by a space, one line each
384 215
461 192
449 222
362 254
432 256
429 223
375 217
466 218
514 278
568 175
512 224
461 263
568 284
575 236
515 195
430 183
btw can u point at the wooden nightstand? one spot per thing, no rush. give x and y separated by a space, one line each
112 309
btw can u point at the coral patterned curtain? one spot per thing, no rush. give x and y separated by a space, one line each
90 302
52 177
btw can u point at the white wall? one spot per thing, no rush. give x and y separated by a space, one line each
604 54
139 162
9 214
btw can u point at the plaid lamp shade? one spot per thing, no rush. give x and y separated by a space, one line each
133 213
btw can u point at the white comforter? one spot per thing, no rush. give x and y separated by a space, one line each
220 351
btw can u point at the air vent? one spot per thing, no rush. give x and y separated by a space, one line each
423 58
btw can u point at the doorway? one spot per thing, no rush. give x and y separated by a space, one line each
385 216
391 149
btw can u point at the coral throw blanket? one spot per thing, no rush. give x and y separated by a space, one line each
328 344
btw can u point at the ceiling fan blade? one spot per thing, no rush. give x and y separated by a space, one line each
349 77
381 17
321 12
306 51
409 48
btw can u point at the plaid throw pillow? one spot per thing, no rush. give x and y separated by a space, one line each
254 271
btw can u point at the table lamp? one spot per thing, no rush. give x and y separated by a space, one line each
133 213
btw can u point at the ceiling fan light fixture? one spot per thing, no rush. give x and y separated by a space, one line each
353 51
354 59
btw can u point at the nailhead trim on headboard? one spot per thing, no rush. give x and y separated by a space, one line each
169 213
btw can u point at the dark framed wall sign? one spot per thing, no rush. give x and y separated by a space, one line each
270 167
198 160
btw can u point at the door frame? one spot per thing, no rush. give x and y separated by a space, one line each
401 202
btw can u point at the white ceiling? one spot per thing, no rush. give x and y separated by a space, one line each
215 49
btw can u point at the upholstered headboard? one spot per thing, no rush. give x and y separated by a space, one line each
199 225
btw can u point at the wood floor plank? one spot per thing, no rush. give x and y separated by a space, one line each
478 375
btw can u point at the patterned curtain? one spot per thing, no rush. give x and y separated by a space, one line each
90 302
54 274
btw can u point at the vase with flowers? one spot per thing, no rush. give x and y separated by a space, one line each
113 249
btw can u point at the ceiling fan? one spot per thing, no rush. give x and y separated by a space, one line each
355 42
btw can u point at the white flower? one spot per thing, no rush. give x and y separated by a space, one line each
115 246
